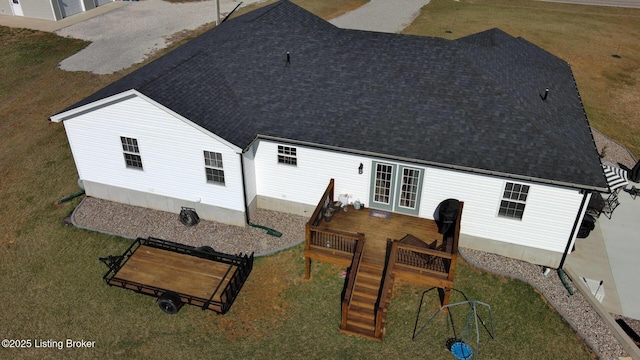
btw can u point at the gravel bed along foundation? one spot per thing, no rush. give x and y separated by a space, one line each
133 222
573 308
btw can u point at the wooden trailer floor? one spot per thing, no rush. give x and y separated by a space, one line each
180 273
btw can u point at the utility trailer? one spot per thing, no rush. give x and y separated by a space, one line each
179 274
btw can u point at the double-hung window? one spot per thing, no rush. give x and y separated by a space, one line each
287 155
213 167
131 152
514 199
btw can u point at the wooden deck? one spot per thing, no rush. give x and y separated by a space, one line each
379 247
378 230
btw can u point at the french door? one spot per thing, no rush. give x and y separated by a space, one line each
396 188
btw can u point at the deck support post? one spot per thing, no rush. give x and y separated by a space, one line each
444 297
307 268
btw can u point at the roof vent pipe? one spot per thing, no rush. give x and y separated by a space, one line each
546 92
288 58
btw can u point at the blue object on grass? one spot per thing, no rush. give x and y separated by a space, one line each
459 349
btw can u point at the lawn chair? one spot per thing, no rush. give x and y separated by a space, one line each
610 204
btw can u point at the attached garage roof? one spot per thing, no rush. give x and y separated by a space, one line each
475 103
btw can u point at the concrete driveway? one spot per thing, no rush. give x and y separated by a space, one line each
129 34
381 15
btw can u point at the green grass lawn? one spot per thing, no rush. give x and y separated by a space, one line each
51 286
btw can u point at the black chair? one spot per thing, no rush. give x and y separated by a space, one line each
634 173
610 204
588 224
596 204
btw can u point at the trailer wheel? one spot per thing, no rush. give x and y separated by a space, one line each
170 303
203 251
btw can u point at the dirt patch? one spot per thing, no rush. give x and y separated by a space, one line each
261 306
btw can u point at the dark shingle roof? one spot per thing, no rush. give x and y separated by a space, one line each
472 103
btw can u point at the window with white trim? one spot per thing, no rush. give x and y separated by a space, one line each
287 155
213 167
513 201
131 152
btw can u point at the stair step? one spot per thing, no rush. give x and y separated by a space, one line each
369 275
368 281
363 317
351 330
362 311
363 302
365 292
365 326
370 268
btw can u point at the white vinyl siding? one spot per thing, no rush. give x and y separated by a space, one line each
172 151
550 210
306 182
250 173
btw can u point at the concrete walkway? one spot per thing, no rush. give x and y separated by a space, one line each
381 15
610 253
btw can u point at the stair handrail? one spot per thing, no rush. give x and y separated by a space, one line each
351 280
385 291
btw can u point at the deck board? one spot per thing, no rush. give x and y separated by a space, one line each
180 273
378 230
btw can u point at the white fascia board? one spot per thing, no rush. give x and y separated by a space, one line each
66 115
134 93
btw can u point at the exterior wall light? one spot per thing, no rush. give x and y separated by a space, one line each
360 168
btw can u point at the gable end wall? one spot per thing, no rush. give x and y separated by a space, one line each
172 157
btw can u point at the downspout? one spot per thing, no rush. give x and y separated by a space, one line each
561 273
270 231
244 191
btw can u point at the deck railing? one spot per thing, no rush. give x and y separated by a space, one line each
350 283
322 239
325 201
421 259
332 239
384 297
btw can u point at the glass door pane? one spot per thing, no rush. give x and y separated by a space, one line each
383 186
409 190
382 193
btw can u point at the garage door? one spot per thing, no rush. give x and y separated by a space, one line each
102 2
70 7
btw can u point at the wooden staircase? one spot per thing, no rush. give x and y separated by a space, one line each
362 313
